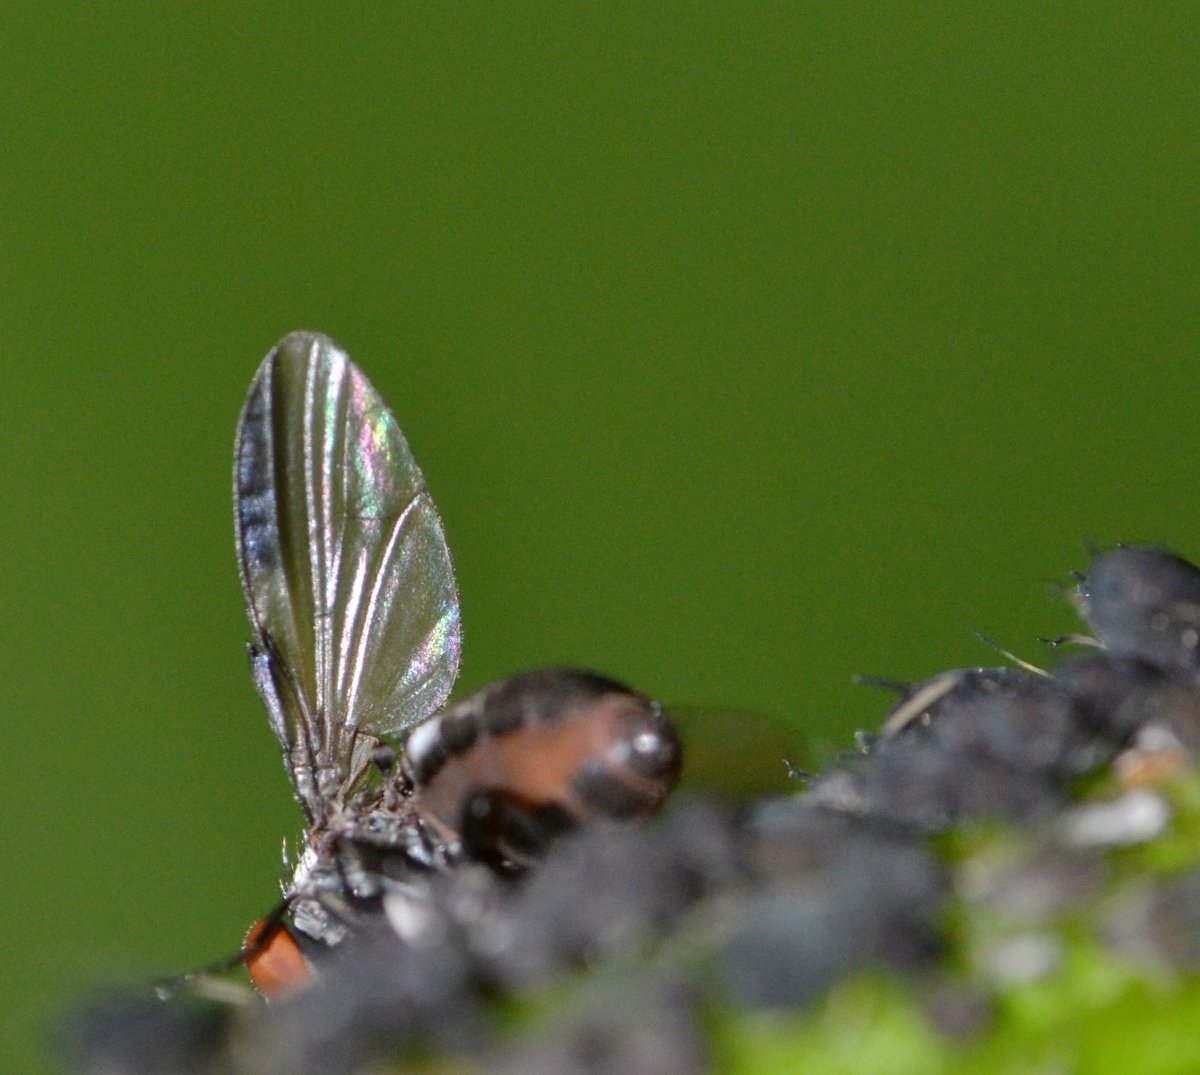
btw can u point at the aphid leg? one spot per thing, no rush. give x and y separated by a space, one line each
1011 657
1073 640
795 773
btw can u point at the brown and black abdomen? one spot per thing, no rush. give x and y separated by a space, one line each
558 738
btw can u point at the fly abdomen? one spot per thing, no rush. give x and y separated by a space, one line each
603 790
568 742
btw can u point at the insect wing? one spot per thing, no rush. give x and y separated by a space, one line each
347 577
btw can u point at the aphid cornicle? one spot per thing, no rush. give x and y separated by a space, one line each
352 599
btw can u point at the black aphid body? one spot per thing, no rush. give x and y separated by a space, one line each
1143 603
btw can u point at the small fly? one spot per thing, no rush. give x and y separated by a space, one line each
357 636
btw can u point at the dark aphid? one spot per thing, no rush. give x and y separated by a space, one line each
922 702
1106 689
132 1031
645 1024
351 594
962 748
1143 602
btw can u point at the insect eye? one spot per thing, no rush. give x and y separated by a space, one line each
648 744
653 753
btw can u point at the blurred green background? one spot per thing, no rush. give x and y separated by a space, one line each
744 348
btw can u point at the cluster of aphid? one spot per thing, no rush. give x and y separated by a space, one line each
492 853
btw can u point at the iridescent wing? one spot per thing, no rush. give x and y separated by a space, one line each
344 565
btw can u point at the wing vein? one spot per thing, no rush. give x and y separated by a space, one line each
347 578
381 575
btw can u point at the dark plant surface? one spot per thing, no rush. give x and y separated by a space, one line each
1005 878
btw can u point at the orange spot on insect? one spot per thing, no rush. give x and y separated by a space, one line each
275 965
